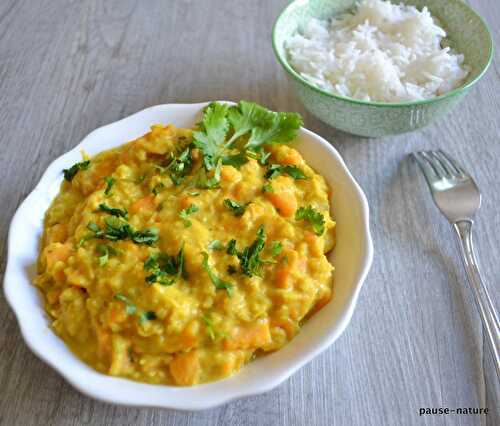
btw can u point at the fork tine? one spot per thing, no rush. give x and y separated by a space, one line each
458 170
428 171
447 169
435 164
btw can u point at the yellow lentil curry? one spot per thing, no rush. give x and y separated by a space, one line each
178 257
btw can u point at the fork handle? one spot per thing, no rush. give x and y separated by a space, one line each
483 301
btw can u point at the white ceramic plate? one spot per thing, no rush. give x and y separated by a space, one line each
352 258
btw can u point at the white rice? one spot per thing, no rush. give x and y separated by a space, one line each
383 52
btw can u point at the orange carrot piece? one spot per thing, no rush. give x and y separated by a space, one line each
185 202
185 368
282 276
285 202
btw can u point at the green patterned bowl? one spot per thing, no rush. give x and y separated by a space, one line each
467 34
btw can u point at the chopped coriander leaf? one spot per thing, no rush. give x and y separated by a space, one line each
264 156
84 239
231 248
105 251
312 216
110 181
140 179
165 269
267 188
276 248
158 188
70 173
285 259
180 166
184 213
209 326
206 182
147 316
236 160
216 281
250 261
236 208
278 169
215 245
259 154
118 229
94 227
113 211
130 308
147 236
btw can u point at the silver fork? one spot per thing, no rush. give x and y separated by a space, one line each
458 198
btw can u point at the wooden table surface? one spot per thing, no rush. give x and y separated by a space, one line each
67 67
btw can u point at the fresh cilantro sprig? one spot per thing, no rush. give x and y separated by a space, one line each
189 210
216 281
165 269
236 208
275 170
211 137
113 211
262 125
70 173
312 216
257 124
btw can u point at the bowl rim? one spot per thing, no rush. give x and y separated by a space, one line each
140 398
452 93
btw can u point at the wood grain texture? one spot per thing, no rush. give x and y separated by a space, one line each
67 67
